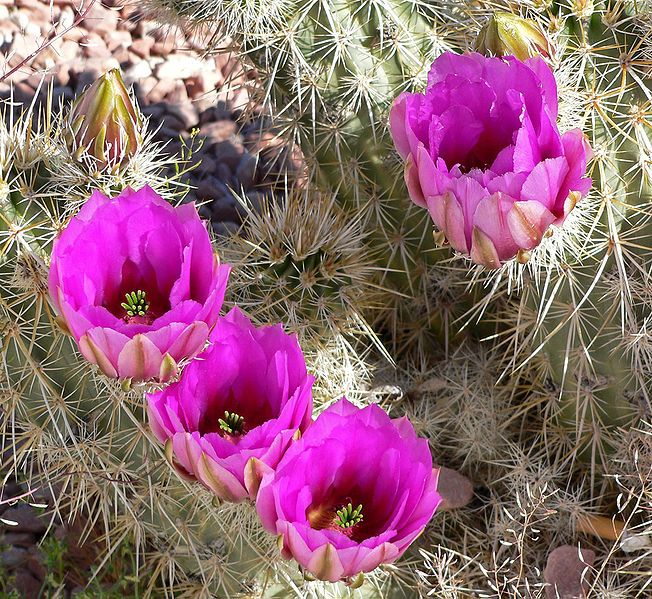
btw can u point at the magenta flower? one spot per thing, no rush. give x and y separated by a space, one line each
484 154
352 493
137 283
236 408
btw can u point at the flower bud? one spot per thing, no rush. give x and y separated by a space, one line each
104 123
509 34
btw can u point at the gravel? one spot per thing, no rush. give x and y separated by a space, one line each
177 87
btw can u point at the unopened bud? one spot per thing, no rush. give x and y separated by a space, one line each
507 34
104 123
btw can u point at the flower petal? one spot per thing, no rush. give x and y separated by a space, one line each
139 359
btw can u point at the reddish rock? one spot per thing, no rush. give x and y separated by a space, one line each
141 47
218 131
93 46
27 585
119 39
160 90
568 572
455 489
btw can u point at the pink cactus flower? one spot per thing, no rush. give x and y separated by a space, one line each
138 283
484 155
351 494
235 409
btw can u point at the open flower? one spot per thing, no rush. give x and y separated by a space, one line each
352 493
236 408
484 155
137 283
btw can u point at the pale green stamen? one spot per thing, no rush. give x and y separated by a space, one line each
231 423
347 517
135 304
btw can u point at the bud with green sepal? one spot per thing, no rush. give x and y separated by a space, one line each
104 123
507 34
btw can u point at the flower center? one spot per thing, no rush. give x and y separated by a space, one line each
232 423
135 304
347 517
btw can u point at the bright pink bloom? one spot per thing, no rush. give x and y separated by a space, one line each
484 155
350 456
236 408
137 242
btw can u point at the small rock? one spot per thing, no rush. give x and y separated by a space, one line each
208 165
225 175
63 93
186 113
68 50
18 539
566 573
136 72
455 489
212 114
119 39
26 518
178 94
100 20
13 557
246 171
142 46
225 228
167 134
203 82
35 563
161 89
66 17
210 188
179 66
229 152
173 123
93 46
144 87
155 111
218 132
27 585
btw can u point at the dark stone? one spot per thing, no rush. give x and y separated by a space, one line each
26 518
246 171
229 153
18 539
13 557
27 585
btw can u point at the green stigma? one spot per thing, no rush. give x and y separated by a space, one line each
135 304
347 517
231 423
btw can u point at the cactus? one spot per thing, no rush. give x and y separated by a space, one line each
65 425
566 331
556 357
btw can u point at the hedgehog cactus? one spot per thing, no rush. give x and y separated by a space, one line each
568 320
72 427
67 425
554 353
